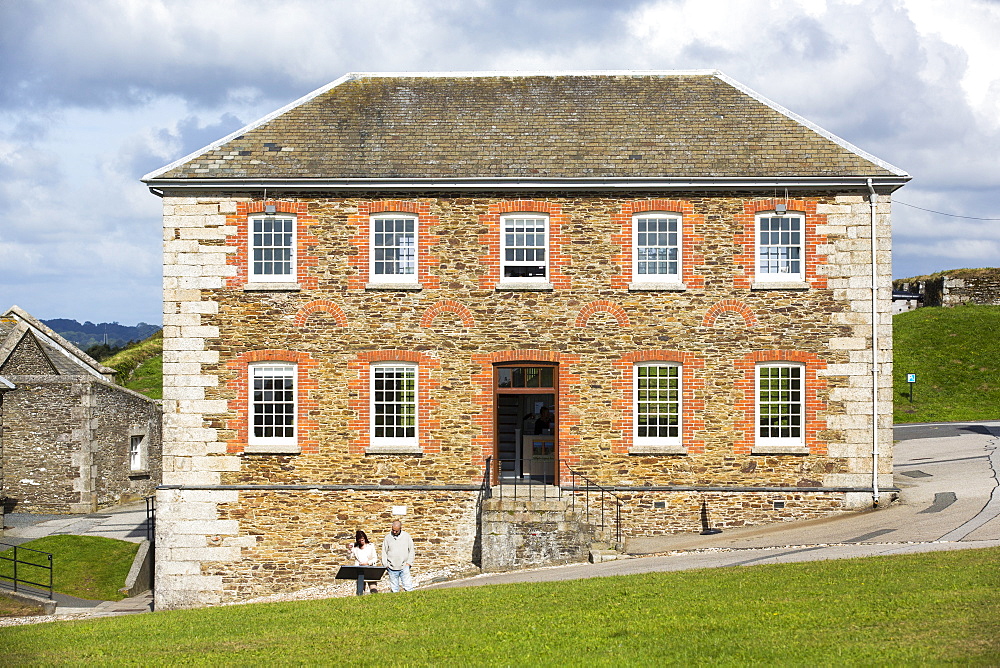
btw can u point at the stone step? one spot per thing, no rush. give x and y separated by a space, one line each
597 556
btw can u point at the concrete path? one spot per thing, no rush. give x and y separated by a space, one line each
949 500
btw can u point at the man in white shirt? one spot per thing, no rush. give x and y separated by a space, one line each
398 554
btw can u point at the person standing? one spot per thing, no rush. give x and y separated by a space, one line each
398 555
364 555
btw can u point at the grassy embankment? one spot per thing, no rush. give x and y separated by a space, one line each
140 367
929 608
955 353
90 567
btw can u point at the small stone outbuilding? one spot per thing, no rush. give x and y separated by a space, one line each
71 440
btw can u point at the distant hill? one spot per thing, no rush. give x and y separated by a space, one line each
86 334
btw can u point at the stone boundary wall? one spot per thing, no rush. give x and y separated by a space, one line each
979 286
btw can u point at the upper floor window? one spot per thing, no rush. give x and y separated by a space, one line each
273 406
780 247
394 404
272 248
524 244
657 404
780 404
393 249
657 248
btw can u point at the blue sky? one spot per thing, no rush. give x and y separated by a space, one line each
97 93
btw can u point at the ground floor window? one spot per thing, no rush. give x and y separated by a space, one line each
394 404
780 406
273 406
657 405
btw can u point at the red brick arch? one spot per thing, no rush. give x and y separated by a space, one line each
599 306
448 306
317 306
735 305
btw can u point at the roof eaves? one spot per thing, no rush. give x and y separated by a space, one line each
6 385
843 143
539 183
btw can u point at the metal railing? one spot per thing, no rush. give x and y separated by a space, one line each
486 488
596 500
15 560
604 495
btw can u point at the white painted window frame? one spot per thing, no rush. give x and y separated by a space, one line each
256 370
761 276
394 443
776 443
253 247
672 279
657 441
137 453
385 279
504 263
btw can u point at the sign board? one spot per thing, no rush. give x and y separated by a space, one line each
911 378
399 510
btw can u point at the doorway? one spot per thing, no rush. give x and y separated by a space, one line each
526 424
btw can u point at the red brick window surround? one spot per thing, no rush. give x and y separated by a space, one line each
689 243
303 258
364 221
692 403
241 405
557 224
746 262
362 389
812 407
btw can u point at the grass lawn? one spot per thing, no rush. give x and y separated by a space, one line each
900 610
148 378
955 353
88 567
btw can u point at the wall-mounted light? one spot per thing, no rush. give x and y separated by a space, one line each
270 209
781 209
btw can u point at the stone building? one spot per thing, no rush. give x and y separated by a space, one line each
71 440
661 281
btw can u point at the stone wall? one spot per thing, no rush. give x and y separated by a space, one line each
954 288
458 326
122 414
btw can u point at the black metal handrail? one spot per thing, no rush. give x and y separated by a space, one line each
486 488
15 561
574 488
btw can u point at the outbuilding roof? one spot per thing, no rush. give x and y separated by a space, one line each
583 126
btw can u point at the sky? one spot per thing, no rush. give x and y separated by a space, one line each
96 93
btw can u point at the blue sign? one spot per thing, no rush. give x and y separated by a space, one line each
911 378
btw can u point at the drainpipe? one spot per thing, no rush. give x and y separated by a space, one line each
872 201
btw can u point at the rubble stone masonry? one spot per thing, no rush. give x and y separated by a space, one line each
234 522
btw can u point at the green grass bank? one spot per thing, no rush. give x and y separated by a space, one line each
955 354
901 610
90 567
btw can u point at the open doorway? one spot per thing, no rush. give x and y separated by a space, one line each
526 424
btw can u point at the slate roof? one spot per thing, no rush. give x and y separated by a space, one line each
628 125
64 356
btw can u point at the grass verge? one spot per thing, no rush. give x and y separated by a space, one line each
90 567
955 353
140 367
913 609
12 607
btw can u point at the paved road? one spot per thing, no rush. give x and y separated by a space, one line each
949 500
